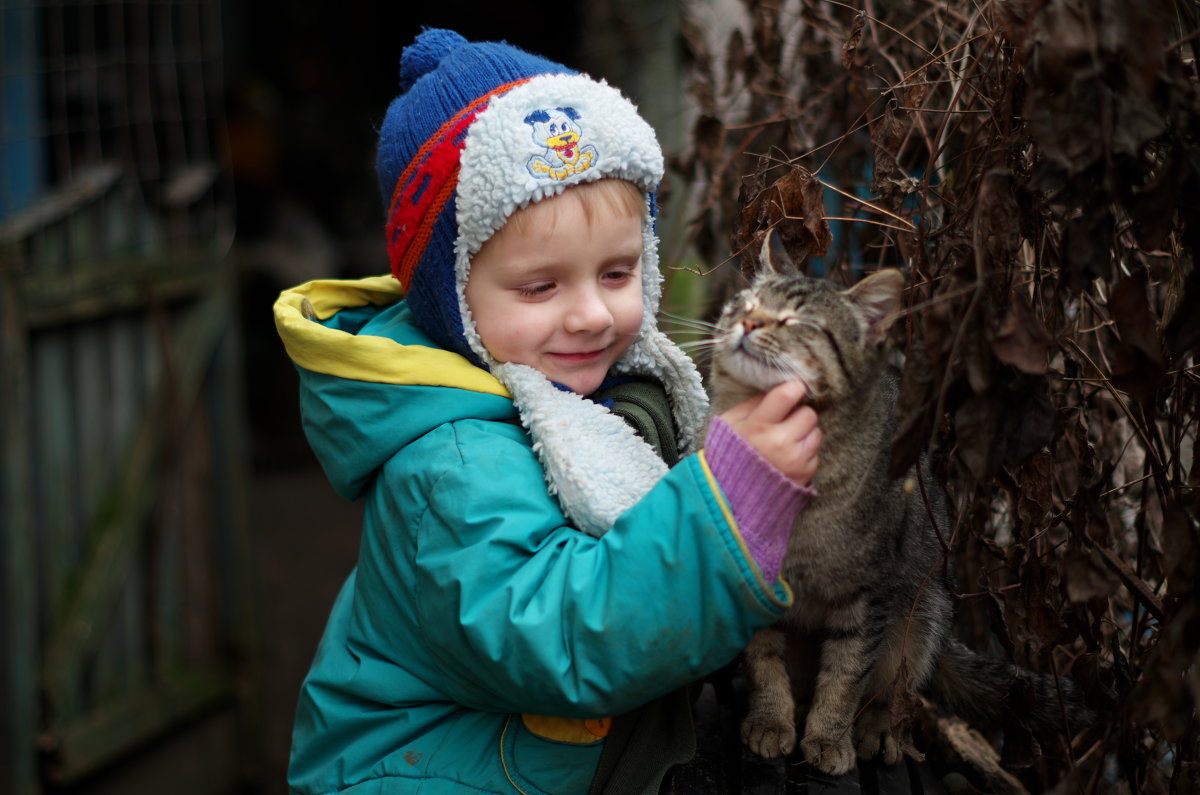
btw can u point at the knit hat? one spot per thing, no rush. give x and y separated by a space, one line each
482 129
479 130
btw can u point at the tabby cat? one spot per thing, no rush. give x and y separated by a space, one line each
863 559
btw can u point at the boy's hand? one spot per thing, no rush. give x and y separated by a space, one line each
783 431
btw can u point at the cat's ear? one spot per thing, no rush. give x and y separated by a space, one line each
879 296
773 257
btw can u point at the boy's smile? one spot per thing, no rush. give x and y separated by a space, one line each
560 293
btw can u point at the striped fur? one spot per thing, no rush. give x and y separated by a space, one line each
863 559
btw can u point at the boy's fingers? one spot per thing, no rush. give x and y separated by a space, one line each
780 401
742 410
803 421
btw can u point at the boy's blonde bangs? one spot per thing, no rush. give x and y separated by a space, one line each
621 197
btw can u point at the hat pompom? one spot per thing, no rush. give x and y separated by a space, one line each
425 53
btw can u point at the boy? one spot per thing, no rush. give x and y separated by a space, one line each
530 566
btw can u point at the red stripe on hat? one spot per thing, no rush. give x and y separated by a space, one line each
425 186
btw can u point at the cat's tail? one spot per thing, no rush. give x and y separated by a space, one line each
991 693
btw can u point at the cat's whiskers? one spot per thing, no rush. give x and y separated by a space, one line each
770 354
705 344
768 350
691 327
690 322
775 353
702 350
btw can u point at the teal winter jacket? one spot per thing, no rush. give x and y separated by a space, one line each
482 644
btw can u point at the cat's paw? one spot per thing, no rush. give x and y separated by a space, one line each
768 735
873 736
833 755
880 744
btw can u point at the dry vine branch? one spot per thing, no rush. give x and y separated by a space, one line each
1035 166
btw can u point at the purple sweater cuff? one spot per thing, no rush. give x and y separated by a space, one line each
764 502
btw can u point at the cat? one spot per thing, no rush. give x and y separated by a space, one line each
864 560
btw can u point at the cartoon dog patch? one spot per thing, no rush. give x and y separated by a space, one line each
558 131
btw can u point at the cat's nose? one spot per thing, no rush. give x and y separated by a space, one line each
750 324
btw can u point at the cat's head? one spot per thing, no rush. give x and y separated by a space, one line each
786 325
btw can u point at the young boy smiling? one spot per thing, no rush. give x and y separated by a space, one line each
547 559
559 287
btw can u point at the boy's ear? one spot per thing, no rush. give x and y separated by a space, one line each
773 257
879 297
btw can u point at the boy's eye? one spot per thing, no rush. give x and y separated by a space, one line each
619 276
535 290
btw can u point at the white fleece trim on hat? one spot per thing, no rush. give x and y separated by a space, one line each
495 179
595 464
494 174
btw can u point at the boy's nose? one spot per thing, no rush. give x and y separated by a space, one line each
588 312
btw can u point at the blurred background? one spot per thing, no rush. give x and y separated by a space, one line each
170 546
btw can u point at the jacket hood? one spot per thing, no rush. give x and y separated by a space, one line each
370 381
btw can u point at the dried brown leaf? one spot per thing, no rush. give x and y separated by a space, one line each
887 135
1087 247
1136 374
1181 548
1004 426
1129 305
1065 40
916 88
793 206
850 48
997 221
1139 366
1182 334
917 394
941 321
978 361
1020 339
1087 577
1152 206
977 428
1043 627
1035 493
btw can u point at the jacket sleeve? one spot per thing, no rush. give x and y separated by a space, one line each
515 610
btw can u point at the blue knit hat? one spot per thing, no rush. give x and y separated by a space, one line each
479 130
